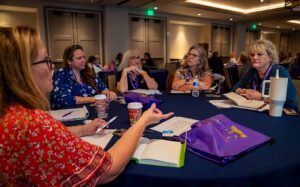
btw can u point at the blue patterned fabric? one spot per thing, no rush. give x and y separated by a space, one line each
252 78
65 88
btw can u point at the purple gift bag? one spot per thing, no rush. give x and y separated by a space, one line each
145 100
221 140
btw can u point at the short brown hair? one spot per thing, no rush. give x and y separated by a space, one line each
18 51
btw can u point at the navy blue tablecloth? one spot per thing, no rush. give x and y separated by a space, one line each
276 164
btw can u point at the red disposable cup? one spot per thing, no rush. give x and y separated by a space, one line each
134 111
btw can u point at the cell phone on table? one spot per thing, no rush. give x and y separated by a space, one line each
119 132
289 111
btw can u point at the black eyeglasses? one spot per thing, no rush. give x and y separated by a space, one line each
47 60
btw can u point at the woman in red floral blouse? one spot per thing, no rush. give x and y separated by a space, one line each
36 150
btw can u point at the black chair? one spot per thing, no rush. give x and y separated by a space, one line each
160 76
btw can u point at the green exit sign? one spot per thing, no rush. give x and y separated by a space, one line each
253 26
150 12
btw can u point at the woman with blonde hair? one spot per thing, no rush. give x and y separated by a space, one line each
35 149
264 62
194 66
132 75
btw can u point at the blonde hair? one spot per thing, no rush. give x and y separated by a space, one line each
202 66
125 60
18 51
267 45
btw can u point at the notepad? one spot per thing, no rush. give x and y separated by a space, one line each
160 153
243 102
72 114
177 124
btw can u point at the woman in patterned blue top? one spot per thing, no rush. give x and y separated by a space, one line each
75 83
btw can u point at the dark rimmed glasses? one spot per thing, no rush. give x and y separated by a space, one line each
47 60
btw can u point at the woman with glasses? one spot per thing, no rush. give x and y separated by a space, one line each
194 66
264 62
36 150
132 75
75 83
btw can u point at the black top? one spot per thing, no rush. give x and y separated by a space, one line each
139 82
216 64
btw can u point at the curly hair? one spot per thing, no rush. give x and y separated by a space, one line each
267 45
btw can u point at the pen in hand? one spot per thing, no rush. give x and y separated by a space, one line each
68 113
109 122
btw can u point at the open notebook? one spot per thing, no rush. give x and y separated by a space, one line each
160 152
243 102
70 114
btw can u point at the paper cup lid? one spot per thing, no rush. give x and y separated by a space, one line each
135 105
99 97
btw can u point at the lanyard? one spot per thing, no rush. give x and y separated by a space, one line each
136 84
264 78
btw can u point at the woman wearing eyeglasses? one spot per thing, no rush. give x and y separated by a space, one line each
132 76
36 150
75 83
195 65
264 62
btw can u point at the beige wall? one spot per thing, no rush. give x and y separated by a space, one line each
116 32
11 19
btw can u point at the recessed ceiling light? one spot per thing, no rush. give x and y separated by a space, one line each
235 9
199 14
293 29
261 1
259 24
294 21
155 8
231 19
278 26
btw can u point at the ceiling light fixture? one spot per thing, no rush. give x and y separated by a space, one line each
259 24
231 19
278 26
155 8
199 14
235 9
293 29
261 1
294 21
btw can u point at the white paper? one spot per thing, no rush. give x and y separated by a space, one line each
222 103
145 91
179 92
100 140
177 124
76 114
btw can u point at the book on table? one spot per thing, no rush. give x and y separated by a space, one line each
160 152
244 102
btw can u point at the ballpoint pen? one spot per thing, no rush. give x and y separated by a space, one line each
68 113
109 122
